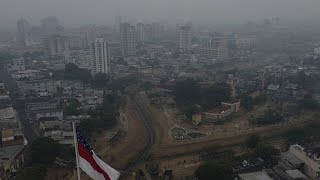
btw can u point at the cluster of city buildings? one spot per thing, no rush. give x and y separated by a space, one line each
297 163
158 54
147 48
44 99
12 142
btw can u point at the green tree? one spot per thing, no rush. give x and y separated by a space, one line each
147 86
71 108
164 80
308 103
247 102
266 152
190 110
87 126
44 150
260 99
211 170
175 54
109 112
121 83
270 116
214 95
5 57
253 141
252 120
295 136
73 72
104 117
187 92
34 172
100 80
67 153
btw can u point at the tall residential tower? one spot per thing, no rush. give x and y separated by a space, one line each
184 37
51 26
100 57
24 32
140 30
128 39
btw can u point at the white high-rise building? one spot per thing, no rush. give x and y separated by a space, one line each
24 36
140 27
184 37
216 48
147 32
57 45
317 51
128 39
157 30
117 23
100 57
51 26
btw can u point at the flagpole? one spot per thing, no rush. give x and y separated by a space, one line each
76 147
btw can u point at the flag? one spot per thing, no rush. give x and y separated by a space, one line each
91 164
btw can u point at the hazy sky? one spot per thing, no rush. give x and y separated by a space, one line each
79 12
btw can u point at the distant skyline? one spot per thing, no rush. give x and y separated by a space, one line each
74 13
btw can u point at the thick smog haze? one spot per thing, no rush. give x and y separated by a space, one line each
80 12
159 89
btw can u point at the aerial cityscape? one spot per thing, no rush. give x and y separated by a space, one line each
172 90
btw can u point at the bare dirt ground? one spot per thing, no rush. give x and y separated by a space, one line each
183 157
54 173
169 153
158 119
126 150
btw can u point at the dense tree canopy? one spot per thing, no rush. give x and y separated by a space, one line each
5 57
34 172
71 108
44 150
266 152
104 117
303 80
253 141
248 102
270 116
212 170
121 83
213 96
100 80
147 86
297 135
308 103
188 94
303 135
73 72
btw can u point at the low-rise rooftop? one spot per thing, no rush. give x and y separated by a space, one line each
295 174
7 115
219 109
254 176
8 152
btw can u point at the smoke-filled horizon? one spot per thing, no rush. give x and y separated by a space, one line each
75 13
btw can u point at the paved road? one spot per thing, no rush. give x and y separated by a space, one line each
26 127
18 105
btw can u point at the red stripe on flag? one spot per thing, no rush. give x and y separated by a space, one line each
85 154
